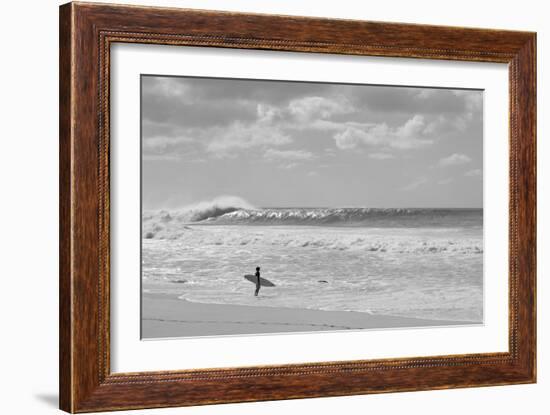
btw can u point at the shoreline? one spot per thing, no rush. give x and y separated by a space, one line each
165 316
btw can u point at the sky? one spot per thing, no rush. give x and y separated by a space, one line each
299 144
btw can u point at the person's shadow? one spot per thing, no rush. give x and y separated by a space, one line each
50 399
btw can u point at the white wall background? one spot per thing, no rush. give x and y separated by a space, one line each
28 217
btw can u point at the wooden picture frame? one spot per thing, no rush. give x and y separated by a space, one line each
86 33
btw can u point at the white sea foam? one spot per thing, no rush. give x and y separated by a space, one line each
417 272
169 224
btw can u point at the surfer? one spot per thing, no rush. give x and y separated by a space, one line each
257 280
257 275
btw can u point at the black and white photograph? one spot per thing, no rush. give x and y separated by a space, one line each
273 206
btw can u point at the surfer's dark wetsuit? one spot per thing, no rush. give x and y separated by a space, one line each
257 274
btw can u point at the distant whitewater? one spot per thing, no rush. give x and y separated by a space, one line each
165 224
371 217
424 263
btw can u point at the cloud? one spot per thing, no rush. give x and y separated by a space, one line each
408 99
373 97
241 136
455 159
204 102
473 108
473 173
445 181
315 107
446 110
181 103
165 86
296 155
407 136
268 113
310 112
252 90
473 99
415 184
381 156
160 142
228 117
350 138
180 113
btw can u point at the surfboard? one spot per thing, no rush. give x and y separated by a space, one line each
263 281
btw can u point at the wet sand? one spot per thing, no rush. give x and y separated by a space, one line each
167 316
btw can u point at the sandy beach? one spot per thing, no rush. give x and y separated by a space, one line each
167 316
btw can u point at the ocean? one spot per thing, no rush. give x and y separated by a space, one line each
423 263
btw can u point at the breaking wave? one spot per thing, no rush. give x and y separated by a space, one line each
231 210
353 216
154 222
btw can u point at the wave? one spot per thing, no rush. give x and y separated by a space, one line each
246 240
397 217
231 210
378 244
245 243
154 222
